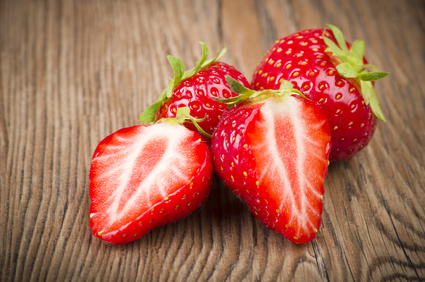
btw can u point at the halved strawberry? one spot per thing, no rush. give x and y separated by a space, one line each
196 89
272 151
145 176
335 76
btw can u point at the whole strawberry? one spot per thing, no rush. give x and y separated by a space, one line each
196 89
145 176
335 76
272 152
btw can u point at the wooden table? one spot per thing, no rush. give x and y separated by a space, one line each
72 72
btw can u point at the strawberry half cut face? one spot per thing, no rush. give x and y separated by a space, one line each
276 160
145 176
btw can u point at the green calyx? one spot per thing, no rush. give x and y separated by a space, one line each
148 116
182 116
350 65
249 95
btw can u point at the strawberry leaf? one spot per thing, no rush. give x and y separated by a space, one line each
372 76
349 64
183 115
200 64
371 68
178 68
148 116
183 112
245 94
334 49
237 87
346 70
218 57
199 128
358 48
370 98
365 87
205 53
203 63
339 36
286 86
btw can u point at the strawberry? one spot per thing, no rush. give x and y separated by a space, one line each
196 89
145 176
335 76
272 152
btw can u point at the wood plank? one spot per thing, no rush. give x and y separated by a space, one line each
72 72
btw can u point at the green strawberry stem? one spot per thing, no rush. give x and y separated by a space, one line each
182 116
245 94
148 116
350 65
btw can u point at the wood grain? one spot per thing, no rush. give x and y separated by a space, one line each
72 72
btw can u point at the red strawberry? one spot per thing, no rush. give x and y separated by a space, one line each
334 77
145 176
272 151
196 89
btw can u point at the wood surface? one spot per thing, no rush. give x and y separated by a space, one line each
72 72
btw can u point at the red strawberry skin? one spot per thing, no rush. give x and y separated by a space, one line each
145 176
301 59
274 156
198 92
